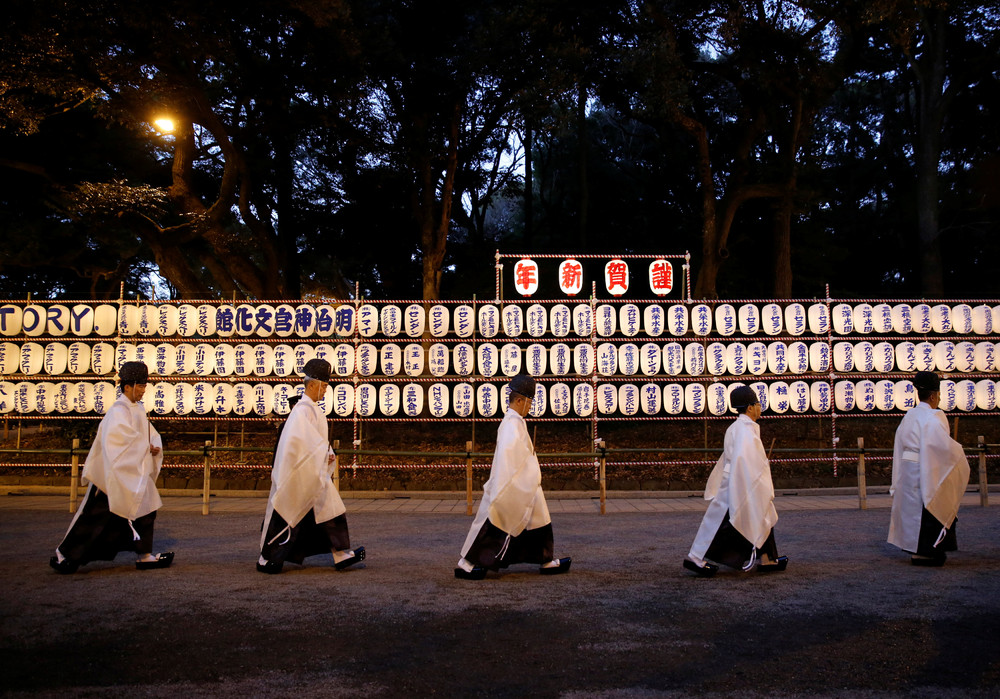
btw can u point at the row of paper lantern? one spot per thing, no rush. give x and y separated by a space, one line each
488 359
344 400
324 320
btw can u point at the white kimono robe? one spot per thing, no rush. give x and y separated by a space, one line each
301 476
512 497
739 484
120 462
929 470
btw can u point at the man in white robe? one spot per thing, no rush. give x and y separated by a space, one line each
738 527
119 508
305 514
929 474
513 523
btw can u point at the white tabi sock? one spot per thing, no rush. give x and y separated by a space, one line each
700 562
554 563
465 565
340 556
59 557
263 561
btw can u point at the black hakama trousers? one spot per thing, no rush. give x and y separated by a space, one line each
930 530
307 538
98 534
494 549
730 548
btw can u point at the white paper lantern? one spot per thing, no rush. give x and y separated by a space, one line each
583 399
701 320
535 357
961 319
560 359
694 359
83 398
606 320
81 320
21 397
187 320
222 398
510 359
10 358
736 358
864 357
58 321
749 319
225 359
863 319
677 320
770 319
201 398
341 358
437 359
366 399
864 395
906 357
488 359
583 320
414 320
536 319
941 318
560 399
798 358
716 397
904 395
607 359
799 396
34 321
922 319
843 396
366 359
843 319
982 320
694 399
673 399
438 320
464 320
437 399
760 388
583 359
513 320
413 359
715 358
342 400
391 320
283 324
885 395
388 399
796 319
629 399
10 320
725 319
819 357
146 353
673 358
261 359
885 357
32 358
986 394
965 356
62 397
902 319
965 395
56 355
245 324
77 358
650 357
391 359
537 408
985 356
729 395
995 318
560 319
925 356
756 358
242 399
487 399
628 359
882 318
183 398
649 398
164 359
124 352
629 319
44 399
949 395
777 357
606 399
367 320
128 320
778 398
819 319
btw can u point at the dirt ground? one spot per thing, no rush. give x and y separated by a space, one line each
849 618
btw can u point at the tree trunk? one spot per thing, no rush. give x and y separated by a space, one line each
528 184
581 137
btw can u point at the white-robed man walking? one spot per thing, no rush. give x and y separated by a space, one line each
738 527
513 523
929 476
119 508
305 515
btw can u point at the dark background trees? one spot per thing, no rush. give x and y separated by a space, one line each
323 147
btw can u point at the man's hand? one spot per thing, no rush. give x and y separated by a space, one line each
155 451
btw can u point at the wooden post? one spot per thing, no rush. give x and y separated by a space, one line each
862 482
602 472
207 479
984 488
336 466
468 478
74 475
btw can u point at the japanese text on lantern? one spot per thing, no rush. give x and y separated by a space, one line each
526 277
616 277
570 277
661 277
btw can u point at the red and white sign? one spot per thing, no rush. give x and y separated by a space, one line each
526 276
661 277
616 277
570 277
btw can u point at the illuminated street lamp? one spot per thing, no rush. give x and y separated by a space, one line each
164 125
